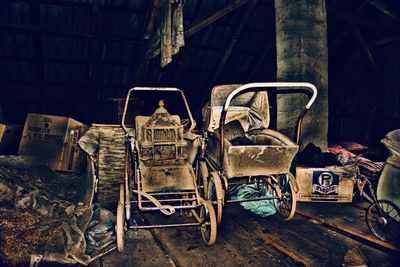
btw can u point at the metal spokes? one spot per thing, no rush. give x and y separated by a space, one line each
383 219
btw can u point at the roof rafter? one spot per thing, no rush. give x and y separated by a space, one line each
34 6
383 8
88 4
234 40
201 23
150 44
364 45
26 29
261 59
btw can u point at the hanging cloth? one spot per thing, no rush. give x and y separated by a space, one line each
172 34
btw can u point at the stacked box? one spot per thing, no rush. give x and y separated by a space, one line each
54 140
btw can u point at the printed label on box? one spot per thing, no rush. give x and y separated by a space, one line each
325 182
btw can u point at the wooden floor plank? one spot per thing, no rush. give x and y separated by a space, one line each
346 217
244 239
140 250
316 242
234 247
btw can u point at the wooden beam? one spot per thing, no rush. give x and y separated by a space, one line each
63 61
92 91
202 23
82 84
152 41
34 6
387 40
173 72
32 30
384 9
351 232
364 45
234 40
216 16
261 60
354 17
87 4
346 28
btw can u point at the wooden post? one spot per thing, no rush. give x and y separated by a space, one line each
302 56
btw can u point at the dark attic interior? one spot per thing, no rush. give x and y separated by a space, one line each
199 133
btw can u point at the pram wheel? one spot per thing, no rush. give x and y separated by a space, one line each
215 193
383 220
120 227
202 175
285 200
208 226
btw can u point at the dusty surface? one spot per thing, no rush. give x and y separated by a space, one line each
312 238
244 239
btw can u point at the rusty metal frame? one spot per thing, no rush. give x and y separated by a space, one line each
163 89
267 85
178 198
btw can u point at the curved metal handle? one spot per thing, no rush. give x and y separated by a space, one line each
165 89
295 85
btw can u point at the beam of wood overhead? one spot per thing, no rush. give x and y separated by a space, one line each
151 42
264 54
92 96
200 9
364 45
383 8
228 52
152 19
234 40
24 29
67 61
202 23
345 29
356 18
38 53
216 16
390 39
87 4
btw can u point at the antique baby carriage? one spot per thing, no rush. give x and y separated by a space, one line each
159 172
383 215
239 148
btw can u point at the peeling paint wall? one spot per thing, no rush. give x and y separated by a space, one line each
302 55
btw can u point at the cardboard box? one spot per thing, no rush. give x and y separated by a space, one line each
54 140
323 185
9 138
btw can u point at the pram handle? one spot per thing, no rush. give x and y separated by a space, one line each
297 85
165 89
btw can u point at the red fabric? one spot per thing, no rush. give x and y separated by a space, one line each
367 167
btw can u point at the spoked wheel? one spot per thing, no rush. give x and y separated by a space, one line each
216 194
202 175
285 204
383 220
120 227
208 226
201 180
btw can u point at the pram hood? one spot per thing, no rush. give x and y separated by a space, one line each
251 109
392 142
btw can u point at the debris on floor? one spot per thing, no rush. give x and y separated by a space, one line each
354 257
41 214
